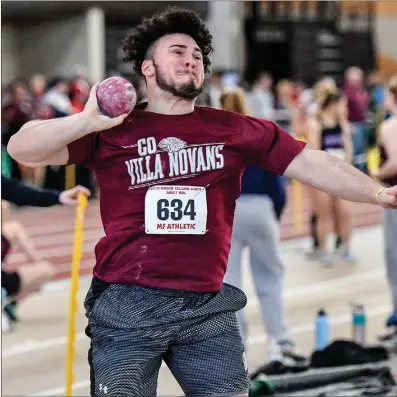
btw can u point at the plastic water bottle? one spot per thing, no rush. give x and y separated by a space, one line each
322 330
359 321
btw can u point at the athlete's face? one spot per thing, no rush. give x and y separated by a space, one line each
178 66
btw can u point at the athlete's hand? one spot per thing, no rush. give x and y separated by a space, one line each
388 197
97 121
70 197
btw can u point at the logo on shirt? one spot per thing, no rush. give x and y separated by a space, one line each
171 159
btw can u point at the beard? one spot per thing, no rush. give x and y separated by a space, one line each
186 91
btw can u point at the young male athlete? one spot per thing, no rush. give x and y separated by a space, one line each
169 175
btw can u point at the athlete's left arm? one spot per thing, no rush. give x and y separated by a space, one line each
337 178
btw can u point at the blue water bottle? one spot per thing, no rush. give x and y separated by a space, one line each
322 330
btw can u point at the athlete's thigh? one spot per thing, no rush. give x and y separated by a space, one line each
209 359
124 363
126 352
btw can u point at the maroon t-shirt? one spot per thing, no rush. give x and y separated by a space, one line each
357 104
207 150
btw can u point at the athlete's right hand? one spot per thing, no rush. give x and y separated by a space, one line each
97 121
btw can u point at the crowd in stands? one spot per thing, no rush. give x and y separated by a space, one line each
288 103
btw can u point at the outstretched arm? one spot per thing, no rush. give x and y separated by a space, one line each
336 177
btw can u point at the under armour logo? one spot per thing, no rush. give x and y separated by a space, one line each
103 388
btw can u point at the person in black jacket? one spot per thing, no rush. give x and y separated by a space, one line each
18 193
27 279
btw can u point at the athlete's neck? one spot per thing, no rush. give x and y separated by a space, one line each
169 104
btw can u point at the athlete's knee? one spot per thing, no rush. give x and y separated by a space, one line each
46 270
13 228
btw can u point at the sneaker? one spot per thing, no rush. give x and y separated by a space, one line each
275 351
321 256
324 258
10 310
291 352
6 324
272 368
312 255
344 254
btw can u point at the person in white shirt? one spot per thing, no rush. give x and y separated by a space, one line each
260 98
215 90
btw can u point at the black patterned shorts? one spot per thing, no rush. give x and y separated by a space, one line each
133 329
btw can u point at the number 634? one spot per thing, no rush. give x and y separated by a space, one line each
175 209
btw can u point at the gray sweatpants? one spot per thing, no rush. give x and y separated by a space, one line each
390 230
256 227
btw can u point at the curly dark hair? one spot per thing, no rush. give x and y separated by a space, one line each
172 20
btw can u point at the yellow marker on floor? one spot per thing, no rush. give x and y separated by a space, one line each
77 255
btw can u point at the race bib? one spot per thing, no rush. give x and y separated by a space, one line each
176 210
340 153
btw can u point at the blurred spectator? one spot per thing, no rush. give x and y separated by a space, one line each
376 88
27 279
79 93
375 106
215 89
330 131
284 104
57 97
15 112
257 226
387 173
324 87
260 98
38 86
357 102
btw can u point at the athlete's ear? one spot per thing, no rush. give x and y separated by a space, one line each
147 68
